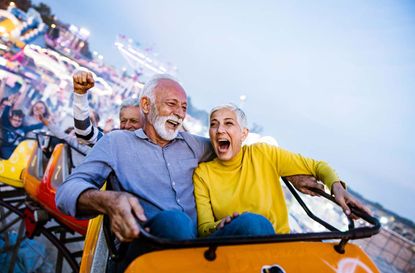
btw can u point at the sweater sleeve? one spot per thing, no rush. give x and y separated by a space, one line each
205 218
289 163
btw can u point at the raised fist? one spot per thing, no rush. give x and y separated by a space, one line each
82 81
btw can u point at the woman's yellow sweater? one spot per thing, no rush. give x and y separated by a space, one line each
250 182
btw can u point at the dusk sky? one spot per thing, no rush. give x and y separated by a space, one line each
332 80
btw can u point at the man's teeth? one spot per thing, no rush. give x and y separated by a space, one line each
173 122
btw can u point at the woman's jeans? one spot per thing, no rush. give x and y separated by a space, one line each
246 224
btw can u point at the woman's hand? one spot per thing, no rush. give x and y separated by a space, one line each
345 200
226 220
46 121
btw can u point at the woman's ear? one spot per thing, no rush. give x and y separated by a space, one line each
145 104
245 132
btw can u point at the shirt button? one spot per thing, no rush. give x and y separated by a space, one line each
168 164
178 200
174 183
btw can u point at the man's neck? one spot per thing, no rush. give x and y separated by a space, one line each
153 136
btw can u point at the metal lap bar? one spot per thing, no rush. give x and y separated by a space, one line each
334 233
306 209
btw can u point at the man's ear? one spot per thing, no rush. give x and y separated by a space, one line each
245 132
145 104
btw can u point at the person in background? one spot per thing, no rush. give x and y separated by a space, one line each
38 111
13 130
239 192
131 117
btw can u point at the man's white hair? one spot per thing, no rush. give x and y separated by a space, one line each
240 114
151 84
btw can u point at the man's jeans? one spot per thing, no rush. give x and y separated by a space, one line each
174 225
246 224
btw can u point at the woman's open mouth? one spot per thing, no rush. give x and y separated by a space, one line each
223 145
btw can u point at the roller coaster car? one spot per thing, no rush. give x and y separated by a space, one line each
11 169
33 173
41 185
296 252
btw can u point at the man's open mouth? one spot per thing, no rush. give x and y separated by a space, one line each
172 123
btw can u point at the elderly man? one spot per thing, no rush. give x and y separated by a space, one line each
86 131
154 166
155 163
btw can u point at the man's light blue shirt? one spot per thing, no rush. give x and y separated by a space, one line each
160 176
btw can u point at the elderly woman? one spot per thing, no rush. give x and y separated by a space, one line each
239 192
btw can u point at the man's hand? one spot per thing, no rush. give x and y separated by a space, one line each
82 81
123 210
345 200
226 220
304 184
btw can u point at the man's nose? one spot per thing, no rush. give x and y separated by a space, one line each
179 112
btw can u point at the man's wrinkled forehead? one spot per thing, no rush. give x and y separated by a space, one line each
167 89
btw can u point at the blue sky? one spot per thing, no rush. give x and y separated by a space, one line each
333 80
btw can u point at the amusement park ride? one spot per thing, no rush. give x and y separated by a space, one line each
27 205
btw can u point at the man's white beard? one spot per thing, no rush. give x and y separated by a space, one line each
159 124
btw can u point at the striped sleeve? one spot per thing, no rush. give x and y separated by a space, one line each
84 130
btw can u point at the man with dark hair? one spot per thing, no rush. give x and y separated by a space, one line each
13 130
